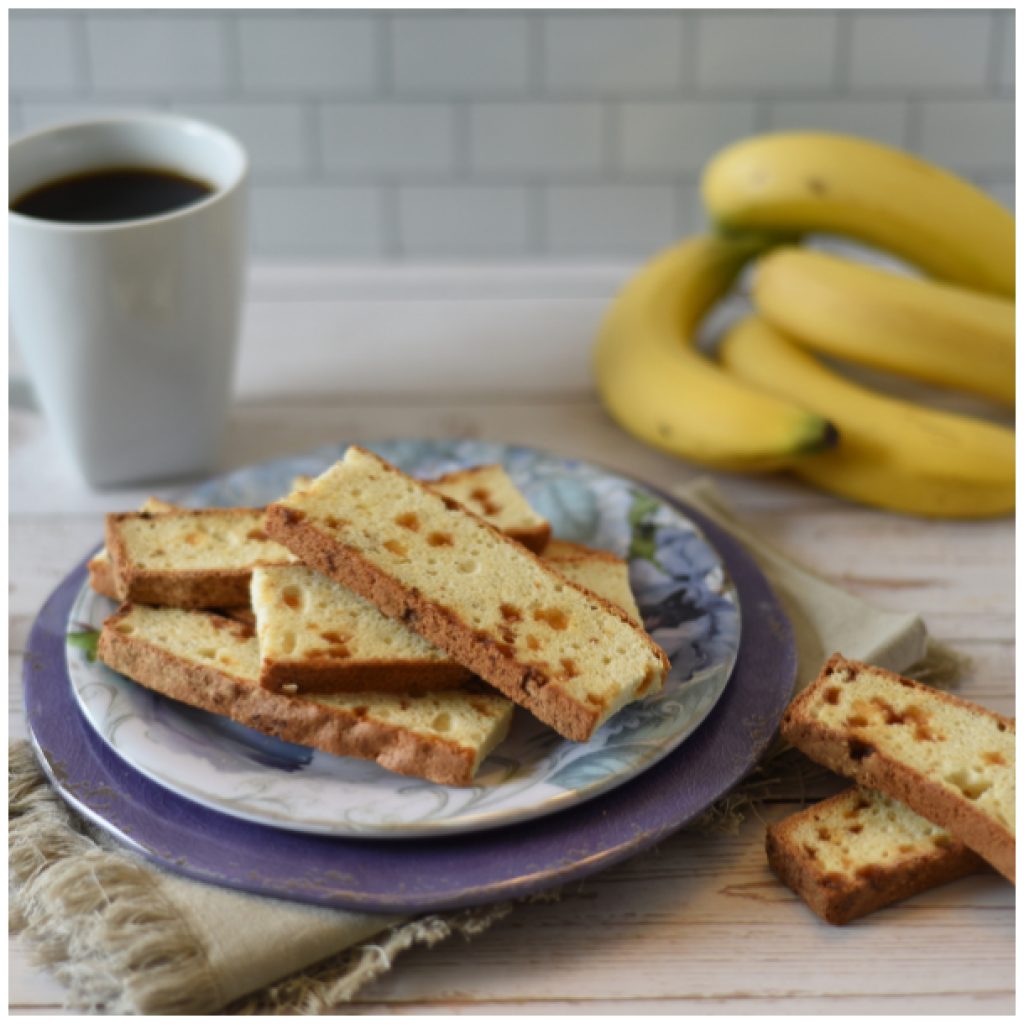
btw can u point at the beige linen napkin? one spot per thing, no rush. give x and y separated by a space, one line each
127 937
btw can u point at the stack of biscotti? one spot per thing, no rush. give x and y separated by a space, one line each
424 559
349 647
180 561
936 799
317 636
213 663
221 559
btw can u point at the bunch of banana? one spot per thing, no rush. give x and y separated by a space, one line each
653 380
938 333
771 405
892 454
804 182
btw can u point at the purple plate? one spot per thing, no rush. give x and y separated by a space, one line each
432 874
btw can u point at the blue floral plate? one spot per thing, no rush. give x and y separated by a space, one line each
689 605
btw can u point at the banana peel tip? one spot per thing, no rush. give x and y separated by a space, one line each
822 436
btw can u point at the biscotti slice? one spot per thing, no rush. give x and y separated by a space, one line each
322 637
101 573
213 663
951 761
860 851
198 558
569 656
487 491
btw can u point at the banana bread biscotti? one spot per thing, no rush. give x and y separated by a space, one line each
950 761
569 656
198 558
322 637
101 572
860 851
213 663
205 558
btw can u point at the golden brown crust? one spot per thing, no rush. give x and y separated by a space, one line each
533 538
334 730
848 752
394 676
481 655
527 685
243 615
569 551
176 588
836 897
101 574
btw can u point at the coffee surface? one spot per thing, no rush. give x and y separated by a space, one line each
100 197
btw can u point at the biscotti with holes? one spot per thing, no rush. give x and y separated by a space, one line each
488 491
198 558
570 657
860 851
101 573
212 663
950 761
208 563
322 637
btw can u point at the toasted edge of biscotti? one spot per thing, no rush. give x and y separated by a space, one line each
101 573
294 719
395 676
570 551
351 669
913 862
848 752
341 665
544 697
226 587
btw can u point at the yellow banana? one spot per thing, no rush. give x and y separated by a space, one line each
795 183
939 333
660 388
891 454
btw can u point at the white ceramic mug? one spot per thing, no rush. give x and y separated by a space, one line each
130 328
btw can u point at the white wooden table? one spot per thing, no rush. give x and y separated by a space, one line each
698 925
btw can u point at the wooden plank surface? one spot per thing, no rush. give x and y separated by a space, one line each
698 925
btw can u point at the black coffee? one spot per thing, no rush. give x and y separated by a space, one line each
99 197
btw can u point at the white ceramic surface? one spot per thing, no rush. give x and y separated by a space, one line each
690 608
130 328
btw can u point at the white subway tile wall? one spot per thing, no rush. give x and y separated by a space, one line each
157 53
459 55
920 50
305 54
679 137
771 52
384 135
609 54
453 220
1006 52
